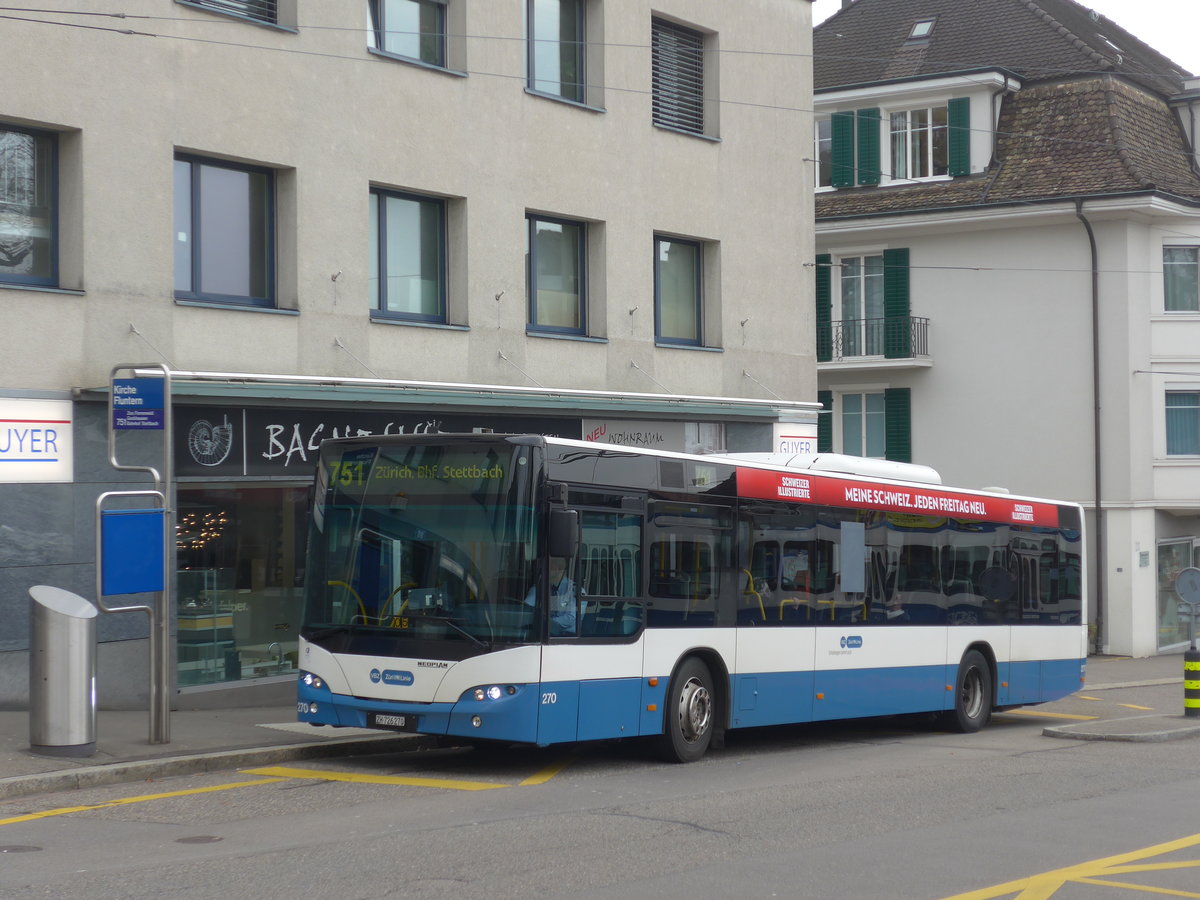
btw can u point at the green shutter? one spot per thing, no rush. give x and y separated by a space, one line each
825 422
841 151
897 406
897 328
959 120
824 308
868 146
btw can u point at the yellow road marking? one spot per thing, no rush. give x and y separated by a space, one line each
1040 713
1082 697
547 773
1135 706
125 801
1043 886
355 778
1140 888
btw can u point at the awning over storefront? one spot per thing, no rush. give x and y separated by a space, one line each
229 387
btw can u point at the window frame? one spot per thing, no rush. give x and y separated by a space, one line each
823 152
580 57
195 226
866 339
269 14
678 77
1194 408
531 280
377 15
379 299
51 205
1169 266
930 133
864 415
698 293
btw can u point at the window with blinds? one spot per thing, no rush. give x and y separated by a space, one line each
259 10
677 72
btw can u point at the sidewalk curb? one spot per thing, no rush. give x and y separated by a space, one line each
202 763
1146 729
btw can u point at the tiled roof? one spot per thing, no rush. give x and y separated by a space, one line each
1039 40
1093 136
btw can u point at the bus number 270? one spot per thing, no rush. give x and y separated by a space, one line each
549 698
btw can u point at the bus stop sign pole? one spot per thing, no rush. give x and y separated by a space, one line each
133 545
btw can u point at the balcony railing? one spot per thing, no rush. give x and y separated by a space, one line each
901 337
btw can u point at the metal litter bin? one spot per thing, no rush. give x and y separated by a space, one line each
62 674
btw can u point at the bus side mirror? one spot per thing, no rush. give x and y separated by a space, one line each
564 532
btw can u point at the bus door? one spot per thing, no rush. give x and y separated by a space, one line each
1025 670
773 680
592 664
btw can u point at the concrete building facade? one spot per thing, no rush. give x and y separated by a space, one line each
582 217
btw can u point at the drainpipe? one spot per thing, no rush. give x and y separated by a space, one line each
1100 565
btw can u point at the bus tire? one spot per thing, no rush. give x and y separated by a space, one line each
690 713
972 695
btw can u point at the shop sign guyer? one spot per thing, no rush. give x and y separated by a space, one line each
264 442
36 441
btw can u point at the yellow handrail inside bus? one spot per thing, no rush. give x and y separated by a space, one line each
362 609
757 596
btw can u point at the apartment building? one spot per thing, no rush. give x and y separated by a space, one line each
1008 223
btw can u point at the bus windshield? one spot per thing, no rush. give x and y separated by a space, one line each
421 542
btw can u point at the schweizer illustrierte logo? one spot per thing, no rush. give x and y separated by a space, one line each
391 676
851 641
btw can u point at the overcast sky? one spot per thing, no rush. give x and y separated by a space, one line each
1172 27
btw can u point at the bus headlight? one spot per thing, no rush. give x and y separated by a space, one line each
312 680
495 692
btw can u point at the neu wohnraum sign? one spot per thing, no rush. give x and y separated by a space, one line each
35 441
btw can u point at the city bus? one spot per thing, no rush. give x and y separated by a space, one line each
692 594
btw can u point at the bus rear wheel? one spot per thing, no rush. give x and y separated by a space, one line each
690 713
972 695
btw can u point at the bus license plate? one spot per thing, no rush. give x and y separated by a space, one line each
393 721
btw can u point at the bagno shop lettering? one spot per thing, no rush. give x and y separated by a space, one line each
300 445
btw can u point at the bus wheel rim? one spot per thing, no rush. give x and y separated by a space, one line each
972 693
695 710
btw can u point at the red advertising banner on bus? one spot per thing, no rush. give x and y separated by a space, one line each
806 487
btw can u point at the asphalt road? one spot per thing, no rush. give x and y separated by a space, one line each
878 809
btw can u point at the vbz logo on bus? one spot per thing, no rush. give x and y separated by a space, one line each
851 641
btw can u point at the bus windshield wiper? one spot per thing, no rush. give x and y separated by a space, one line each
481 644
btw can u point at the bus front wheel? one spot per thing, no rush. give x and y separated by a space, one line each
972 695
690 712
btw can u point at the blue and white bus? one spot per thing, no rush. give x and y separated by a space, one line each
706 593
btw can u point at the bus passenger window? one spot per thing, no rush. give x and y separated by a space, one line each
610 573
690 553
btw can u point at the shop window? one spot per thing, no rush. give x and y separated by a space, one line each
240 558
